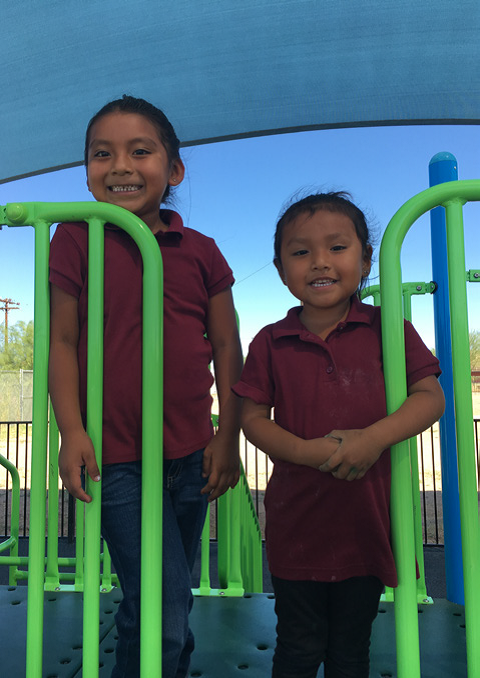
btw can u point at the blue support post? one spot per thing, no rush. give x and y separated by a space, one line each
442 168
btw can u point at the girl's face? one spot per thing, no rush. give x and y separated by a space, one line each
129 166
322 262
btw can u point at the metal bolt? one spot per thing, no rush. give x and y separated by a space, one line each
57 588
476 275
221 593
419 287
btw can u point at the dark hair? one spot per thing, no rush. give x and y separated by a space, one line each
129 104
336 201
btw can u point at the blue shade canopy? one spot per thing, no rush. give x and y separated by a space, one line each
222 69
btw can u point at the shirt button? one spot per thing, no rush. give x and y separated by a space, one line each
329 369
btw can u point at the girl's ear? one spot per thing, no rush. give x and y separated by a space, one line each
279 267
367 260
176 173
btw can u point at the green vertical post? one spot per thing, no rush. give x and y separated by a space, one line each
52 580
36 558
79 543
91 605
465 435
421 583
106 584
152 453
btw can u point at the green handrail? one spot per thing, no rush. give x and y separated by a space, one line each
452 196
410 289
11 543
41 216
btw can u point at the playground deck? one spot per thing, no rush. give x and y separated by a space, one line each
233 635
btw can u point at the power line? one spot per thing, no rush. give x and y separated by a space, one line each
250 275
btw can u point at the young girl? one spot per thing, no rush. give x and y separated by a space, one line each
132 160
320 368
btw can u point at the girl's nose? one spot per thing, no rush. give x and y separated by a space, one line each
122 164
319 260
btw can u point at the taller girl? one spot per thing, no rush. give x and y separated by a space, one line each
132 160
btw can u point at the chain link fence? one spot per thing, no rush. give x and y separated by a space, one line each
16 391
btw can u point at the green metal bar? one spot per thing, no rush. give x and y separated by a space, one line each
79 544
234 576
406 616
11 544
408 290
422 597
473 275
52 580
107 583
204 588
465 435
23 560
39 453
91 604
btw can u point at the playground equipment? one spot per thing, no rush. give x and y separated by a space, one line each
257 615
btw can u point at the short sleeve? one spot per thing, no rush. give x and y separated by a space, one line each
256 381
221 275
68 263
420 360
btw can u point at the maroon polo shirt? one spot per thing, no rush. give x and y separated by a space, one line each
194 271
320 528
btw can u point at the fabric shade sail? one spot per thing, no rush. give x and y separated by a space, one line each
223 69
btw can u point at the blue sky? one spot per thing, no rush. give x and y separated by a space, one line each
233 191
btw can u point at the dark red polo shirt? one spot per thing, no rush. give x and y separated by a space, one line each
320 528
194 271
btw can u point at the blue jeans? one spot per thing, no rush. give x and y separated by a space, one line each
183 518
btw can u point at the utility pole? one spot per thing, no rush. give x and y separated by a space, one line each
8 305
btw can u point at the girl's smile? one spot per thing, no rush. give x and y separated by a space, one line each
322 263
128 165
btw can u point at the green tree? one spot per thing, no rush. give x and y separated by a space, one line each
18 353
474 337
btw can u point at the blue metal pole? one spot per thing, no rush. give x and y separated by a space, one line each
442 168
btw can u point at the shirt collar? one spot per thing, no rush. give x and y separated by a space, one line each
170 217
174 221
291 324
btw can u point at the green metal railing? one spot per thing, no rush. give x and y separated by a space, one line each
410 289
452 196
41 216
240 550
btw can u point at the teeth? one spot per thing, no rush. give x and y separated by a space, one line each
124 189
322 283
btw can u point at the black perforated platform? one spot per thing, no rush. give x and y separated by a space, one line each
234 637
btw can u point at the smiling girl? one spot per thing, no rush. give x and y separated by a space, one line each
132 160
320 369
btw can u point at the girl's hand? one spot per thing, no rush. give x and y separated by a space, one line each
77 451
221 465
357 452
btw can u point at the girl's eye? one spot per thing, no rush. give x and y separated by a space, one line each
141 151
338 248
299 253
101 154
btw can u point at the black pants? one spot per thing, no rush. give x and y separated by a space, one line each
324 622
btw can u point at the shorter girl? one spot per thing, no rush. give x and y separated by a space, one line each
320 369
